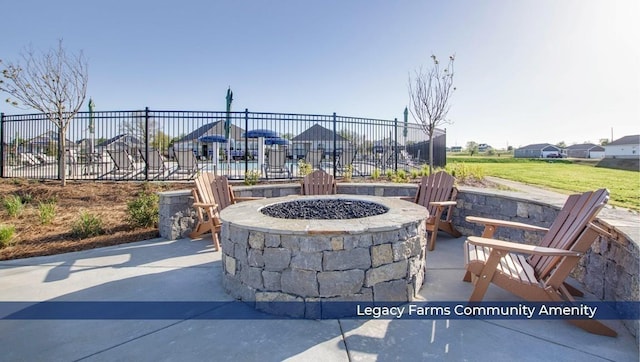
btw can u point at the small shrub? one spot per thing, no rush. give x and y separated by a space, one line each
415 174
144 210
13 204
400 176
375 175
464 171
389 175
87 225
424 170
6 234
304 168
251 177
348 173
46 212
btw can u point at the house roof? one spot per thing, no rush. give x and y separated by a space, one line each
537 146
212 128
586 147
626 140
318 133
47 137
125 137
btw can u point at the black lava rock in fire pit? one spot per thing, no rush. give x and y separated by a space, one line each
332 209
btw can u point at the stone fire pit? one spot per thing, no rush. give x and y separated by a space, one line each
310 263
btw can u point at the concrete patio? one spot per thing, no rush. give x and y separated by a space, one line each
186 270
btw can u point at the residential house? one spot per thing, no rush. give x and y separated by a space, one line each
586 150
538 150
121 142
317 137
46 143
625 147
191 141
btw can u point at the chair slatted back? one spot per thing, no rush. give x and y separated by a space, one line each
203 187
276 159
436 187
570 231
186 160
318 183
221 191
121 159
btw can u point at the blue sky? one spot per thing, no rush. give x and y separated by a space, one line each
526 71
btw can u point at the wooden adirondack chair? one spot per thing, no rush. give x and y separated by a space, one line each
211 195
318 183
437 193
541 276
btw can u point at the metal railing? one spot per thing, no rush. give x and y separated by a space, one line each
176 145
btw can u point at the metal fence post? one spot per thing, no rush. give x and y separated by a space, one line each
2 143
395 144
146 144
335 139
246 141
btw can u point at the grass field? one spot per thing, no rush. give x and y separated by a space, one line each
566 176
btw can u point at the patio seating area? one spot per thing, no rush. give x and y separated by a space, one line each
219 328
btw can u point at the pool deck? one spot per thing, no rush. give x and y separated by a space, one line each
190 271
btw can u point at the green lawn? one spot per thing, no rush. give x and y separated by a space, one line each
564 176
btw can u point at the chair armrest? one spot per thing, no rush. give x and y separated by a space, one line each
444 203
202 204
519 248
247 198
511 224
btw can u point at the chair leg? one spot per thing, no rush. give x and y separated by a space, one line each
216 240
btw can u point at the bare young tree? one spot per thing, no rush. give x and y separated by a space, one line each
429 93
54 83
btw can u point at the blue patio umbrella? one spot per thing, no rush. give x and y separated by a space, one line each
257 133
213 138
276 141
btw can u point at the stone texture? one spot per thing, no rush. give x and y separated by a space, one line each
272 240
406 249
346 259
280 304
358 241
340 283
276 259
255 258
252 277
308 261
391 291
256 240
381 254
271 280
229 264
386 272
303 283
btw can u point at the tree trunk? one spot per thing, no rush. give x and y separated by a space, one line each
62 172
430 153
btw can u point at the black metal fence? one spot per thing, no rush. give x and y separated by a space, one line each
176 145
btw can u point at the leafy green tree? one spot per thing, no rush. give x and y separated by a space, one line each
472 148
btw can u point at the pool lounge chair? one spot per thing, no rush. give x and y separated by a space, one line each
276 163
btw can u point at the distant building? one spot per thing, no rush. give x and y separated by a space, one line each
538 150
625 147
483 147
587 150
456 149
